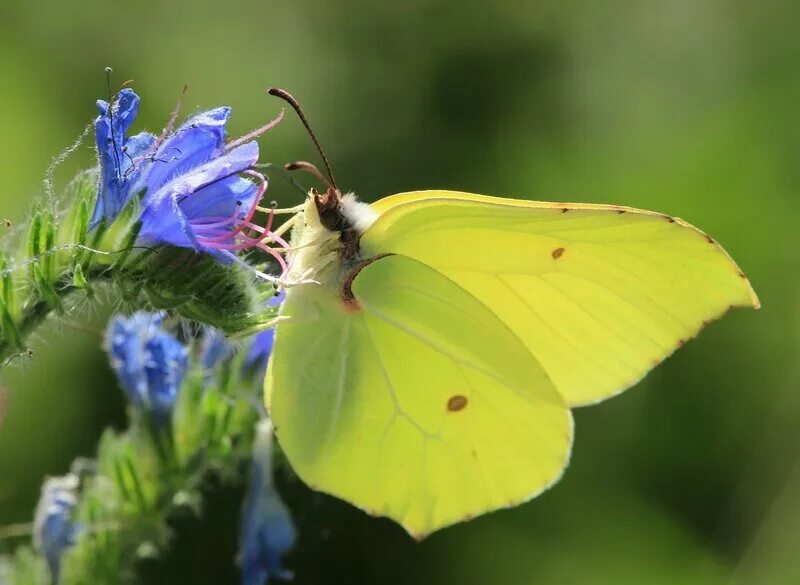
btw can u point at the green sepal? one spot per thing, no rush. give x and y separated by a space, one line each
7 283
81 230
127 245
35 235
78 278
82 222
11 333
49 295
48 252
34 242
97 237
163 299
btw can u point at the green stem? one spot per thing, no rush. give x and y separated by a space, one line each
34 313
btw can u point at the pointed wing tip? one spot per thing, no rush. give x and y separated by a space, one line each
753 302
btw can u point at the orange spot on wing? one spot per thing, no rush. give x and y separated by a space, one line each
351 305
557 253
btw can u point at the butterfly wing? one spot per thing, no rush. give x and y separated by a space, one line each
599 294
407 397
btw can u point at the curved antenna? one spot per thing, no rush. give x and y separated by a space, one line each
289 99
307 167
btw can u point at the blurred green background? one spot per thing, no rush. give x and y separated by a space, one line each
689 107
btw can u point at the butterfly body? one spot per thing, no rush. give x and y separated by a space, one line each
326 237
428 363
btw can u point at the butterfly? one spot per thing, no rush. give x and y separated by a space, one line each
426 366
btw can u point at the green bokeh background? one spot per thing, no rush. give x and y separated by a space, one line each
683 106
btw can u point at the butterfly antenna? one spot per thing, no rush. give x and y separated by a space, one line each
307 167
289 99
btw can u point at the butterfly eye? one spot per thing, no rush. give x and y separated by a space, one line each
329 208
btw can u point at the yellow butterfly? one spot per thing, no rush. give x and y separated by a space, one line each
428 362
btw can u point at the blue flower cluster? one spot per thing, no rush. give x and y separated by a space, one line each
54 530
151 365
196 190
149 362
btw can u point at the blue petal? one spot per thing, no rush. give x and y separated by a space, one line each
267 531
216 349
260 350
220 199
199 140
53 528
163 222
127 358
149 362
118 167
211 189
166 361
136 146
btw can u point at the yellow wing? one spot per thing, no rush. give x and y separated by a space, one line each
599 294
410 399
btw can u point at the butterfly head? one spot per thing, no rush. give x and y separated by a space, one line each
338 213
333 221
329 209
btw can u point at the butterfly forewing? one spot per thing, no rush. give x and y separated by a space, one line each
599 294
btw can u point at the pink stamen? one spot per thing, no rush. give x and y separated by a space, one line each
248 246
255 133
269 234
212 232
175 113
218 222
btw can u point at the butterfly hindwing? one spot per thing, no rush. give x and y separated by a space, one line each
406 396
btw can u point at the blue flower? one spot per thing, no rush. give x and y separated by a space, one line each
204 207
260 350
53 528
149 362
215 349
266 531
197 191
119 167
